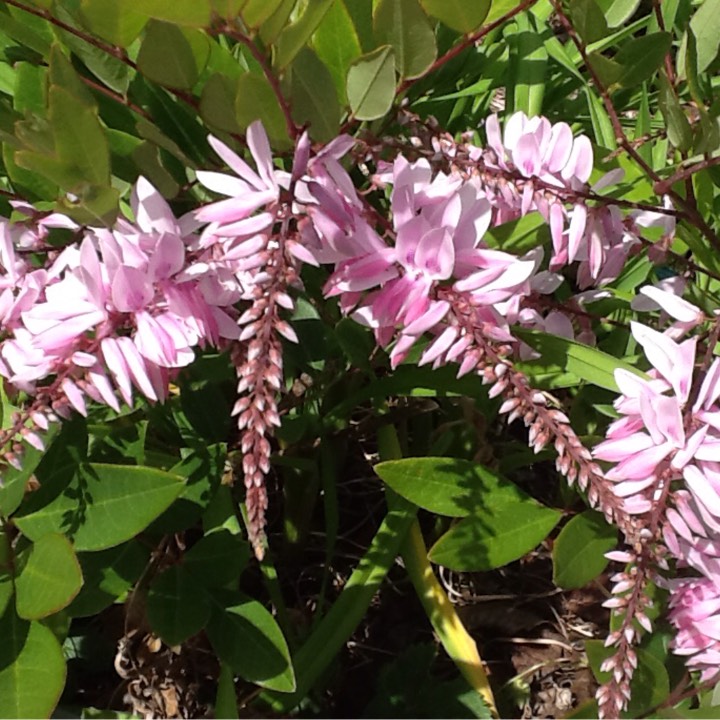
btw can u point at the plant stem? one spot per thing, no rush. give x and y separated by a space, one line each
456 640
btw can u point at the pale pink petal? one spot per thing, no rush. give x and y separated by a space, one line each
130 289
429 318
257 141
74 395
223 184
115 361
152 212
236 163
702 490
576 230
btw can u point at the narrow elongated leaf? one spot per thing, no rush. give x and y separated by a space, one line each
246 637
166 56
117 21
226 701
461 15
105 505
336 43
588 20
618 12
371 83
403 25
177 605
314 100
448 486
494 536
705 24
336 627
50 579
32 668
579 550
640 57
295 36
587 363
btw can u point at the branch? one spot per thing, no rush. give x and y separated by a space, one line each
662 187
227 29
467 42
691 212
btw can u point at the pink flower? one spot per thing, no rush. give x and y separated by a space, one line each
695 613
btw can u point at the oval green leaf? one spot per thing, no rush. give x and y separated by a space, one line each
217 559
494 536
448 486
166 56
32 668
313 98
177 606
255 100
579 549
246 637
117 21
403 25
50 579
371 83
105 505
460 15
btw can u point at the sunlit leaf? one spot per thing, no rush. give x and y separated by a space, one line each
32 673
49 579
371 83
462 15
403 25
579 550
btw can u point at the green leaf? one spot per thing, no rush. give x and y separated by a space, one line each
579 550
705 24
117 21
226 701
50 578
107 575
447 486
247 637
618 12
496 534
343 618
640 57
228 9
589 364
650 684
217 559
371 83
30 88
296 35
105 505
679 131
191 13
528 59
32 668
256 100
217 103
255 12
336 43
15 481
313 97
80 142
462 15
166 57
177 606
589 20
403 25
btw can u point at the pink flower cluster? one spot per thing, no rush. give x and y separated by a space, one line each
666 451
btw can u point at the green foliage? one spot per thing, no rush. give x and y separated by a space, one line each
579 550
134 517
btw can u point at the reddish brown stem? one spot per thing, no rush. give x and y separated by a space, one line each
292 128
